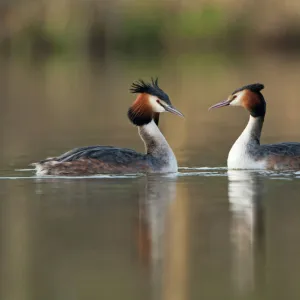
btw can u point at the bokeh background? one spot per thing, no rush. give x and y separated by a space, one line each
66 67
65 71
97 28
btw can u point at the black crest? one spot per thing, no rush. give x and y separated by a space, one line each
152 88
255 88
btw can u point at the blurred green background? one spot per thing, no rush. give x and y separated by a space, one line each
95 27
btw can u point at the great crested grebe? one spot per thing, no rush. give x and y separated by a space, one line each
144 113
247 152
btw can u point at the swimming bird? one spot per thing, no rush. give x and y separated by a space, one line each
247 152
144 113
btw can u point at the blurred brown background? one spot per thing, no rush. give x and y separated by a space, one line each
66 67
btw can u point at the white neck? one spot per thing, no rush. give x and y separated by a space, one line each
156 145
240 154
252 132
153 139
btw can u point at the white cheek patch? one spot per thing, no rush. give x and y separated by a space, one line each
155 106
237 101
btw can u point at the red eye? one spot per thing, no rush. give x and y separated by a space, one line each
157 100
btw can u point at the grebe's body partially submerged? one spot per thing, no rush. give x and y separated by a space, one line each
144 113
247 152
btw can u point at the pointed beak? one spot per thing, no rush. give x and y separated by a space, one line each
173 110
220 104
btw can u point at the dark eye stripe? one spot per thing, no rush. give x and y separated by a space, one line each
161 103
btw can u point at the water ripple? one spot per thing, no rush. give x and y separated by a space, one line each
182 172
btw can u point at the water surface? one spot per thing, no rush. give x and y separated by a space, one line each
204 233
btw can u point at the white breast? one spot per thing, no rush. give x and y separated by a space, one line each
239 158
172 166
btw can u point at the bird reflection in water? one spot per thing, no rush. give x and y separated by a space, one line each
245 189
162 236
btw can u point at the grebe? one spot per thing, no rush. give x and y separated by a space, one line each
247 153
144 113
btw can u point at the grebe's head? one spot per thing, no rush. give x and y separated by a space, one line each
151 100
249 97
